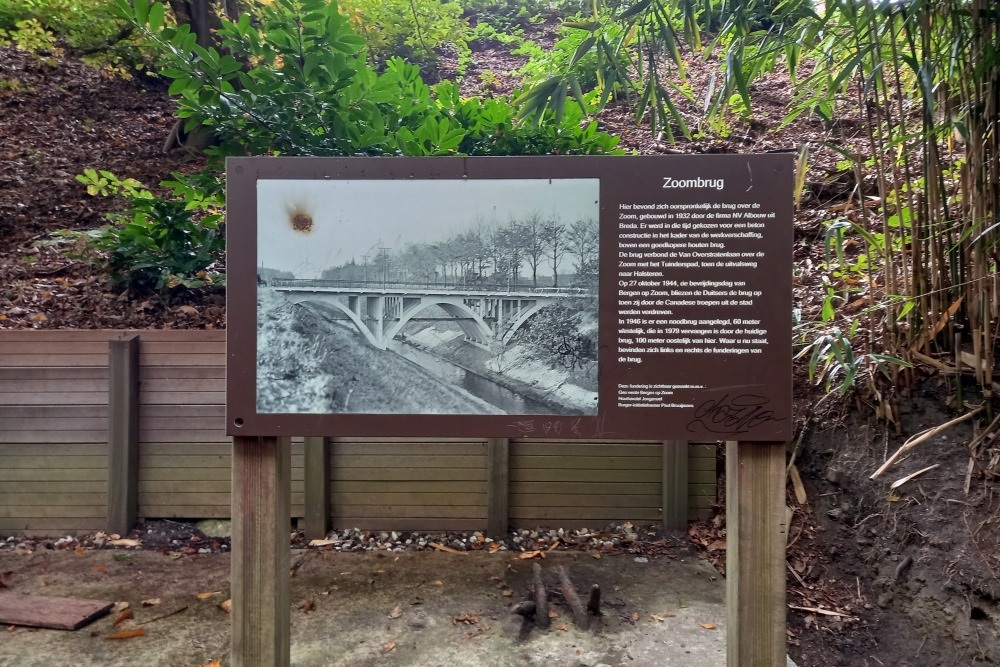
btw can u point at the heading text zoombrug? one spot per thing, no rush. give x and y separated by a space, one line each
716 183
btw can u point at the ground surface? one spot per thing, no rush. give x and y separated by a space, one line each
908 578
355 609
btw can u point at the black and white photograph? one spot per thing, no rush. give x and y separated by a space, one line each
450 297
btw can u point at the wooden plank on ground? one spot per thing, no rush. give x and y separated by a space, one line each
43 611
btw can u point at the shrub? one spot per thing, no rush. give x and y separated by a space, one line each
296 84
158 244
410 28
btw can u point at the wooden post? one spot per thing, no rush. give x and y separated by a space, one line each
756 527
123 434
262 485
317 487
675 485
498 487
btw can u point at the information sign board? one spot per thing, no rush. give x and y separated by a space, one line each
561 297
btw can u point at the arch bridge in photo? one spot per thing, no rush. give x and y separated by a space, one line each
379 310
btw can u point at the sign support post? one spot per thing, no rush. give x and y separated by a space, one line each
756 533
262 485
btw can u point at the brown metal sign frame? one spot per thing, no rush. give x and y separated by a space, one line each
695 296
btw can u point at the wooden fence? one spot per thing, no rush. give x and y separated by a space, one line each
99 428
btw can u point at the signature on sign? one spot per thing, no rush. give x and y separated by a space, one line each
732 415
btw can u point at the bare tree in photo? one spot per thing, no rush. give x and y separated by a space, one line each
583 242
554 244
534 243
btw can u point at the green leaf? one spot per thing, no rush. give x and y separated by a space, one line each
141 11
156 13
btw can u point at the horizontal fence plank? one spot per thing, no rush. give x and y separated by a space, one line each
408 461
702 477
92 435
52 386
186 499
57 398
540 515
54 474
51 526
408 486
53 511
412 511
52 360
408 449
182 348
185 511
42 488
403 498
52 463
571 475
183 372
197 437
55 496
585 462
571 488
183 486
57 373
45 424
54 411
198 474
51 449
183 385
147 359
523 500
181 397
341 474
184 410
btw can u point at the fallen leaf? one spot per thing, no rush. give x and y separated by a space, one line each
188 310
669 614
38 317
309 606
527 555
441 547
226 606
439 583
507 592
707 626
122 617
320 543
80 551
655 617
100 568
396 612
127 634
554 614
205 596
214 663
151 602
494 547
468 619
121 605
635 616
389 647
596 555
124 543
561 627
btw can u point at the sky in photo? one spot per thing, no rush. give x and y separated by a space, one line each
352 219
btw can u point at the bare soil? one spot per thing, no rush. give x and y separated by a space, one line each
875 577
